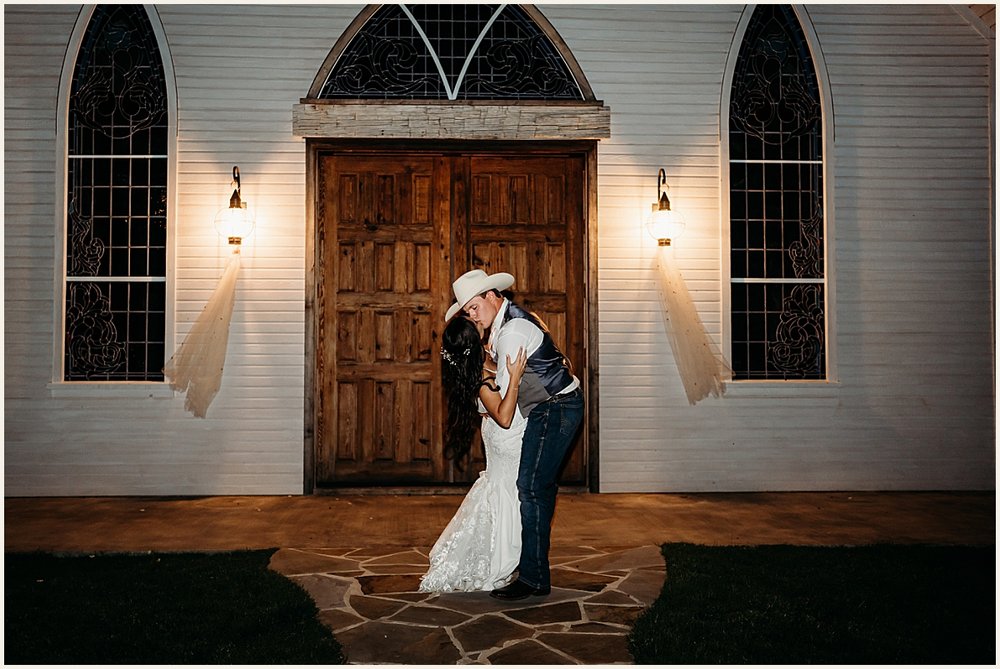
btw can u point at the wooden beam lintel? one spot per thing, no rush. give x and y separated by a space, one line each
454 120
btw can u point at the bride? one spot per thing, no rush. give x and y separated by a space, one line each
481 545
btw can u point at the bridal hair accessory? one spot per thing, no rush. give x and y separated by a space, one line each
451 358
476 282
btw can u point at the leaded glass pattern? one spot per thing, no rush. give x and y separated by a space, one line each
775 111
116 219
114 330
777 246
776 220
451 52
778 331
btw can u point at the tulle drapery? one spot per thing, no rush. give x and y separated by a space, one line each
702 371
196 367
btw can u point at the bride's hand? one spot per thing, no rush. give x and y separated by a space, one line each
516 368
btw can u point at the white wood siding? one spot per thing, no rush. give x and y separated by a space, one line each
238 72
913 404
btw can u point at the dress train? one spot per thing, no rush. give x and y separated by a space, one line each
481 546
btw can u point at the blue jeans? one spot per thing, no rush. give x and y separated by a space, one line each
547 439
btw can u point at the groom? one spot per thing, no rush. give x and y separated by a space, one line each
554 409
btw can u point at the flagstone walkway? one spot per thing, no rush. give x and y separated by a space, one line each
605 553
369 599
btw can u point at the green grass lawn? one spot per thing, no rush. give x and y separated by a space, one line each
165 608
823 605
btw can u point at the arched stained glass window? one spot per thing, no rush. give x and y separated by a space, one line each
116 218
778 283
451 52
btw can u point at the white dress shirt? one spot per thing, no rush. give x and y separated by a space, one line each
506 341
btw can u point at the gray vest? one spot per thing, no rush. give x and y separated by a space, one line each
548 370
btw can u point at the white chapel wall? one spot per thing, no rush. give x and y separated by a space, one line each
912 405
238 72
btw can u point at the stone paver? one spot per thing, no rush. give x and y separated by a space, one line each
338 619
613 597
371 585
373 608
629 558
618 615
380 642
304 562
579 580
548 613
588 648
489 631
327 591
369 599
429 616
527 652
643 584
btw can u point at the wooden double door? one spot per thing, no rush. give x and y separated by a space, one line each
394 228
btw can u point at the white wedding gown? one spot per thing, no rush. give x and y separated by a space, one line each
481 546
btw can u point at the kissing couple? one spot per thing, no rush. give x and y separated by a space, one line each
501 369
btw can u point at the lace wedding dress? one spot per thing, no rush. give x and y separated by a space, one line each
481 545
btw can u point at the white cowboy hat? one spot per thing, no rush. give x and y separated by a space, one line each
476 282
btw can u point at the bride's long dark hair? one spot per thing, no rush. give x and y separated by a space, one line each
461 374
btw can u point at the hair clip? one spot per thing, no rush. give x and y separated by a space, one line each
451 358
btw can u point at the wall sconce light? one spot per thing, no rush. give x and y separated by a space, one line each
236 221
664 223
196 367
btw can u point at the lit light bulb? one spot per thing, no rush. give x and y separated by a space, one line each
663 223
237 221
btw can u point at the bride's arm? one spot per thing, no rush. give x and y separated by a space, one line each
502 409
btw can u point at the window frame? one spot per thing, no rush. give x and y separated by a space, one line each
58 386
754 386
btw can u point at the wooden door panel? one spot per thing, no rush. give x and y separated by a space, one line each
527 219
512 192
373 338
388 225
539 267
347 435
384 265
400 266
